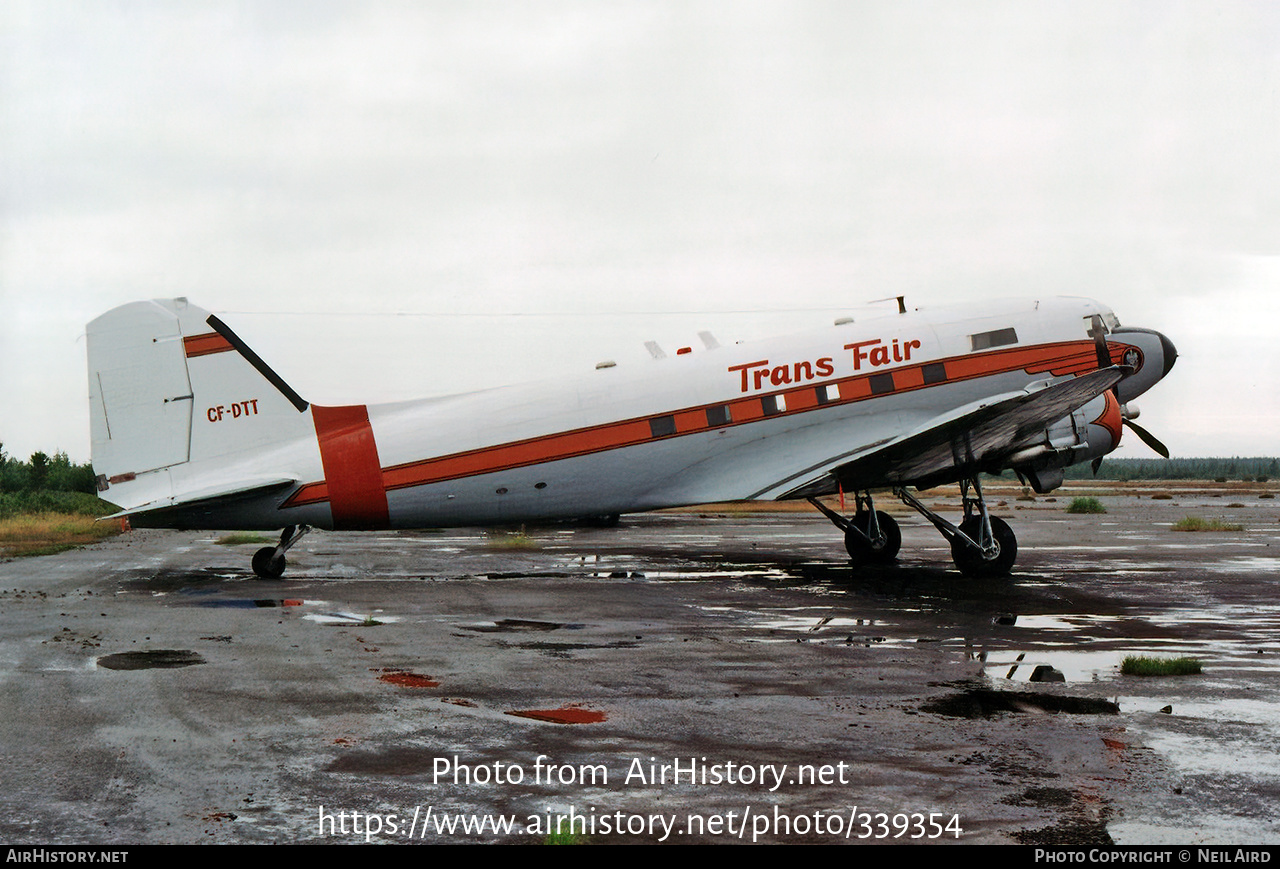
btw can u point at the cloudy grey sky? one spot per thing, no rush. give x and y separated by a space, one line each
398 199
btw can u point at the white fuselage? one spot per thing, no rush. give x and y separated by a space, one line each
750 420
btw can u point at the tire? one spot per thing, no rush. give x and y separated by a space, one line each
882 552
972 563
267 564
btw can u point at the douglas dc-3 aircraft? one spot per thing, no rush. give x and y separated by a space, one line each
191 429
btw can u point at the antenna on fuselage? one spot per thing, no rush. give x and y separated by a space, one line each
901 300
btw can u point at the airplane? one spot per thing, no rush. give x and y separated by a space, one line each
191 429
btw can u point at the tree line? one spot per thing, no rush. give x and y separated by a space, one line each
1252 469
45 473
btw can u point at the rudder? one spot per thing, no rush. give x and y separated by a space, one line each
140 394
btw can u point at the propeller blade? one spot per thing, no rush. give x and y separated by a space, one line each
1098 331
1097 463
1148 438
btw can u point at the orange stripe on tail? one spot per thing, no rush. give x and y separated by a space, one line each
203 345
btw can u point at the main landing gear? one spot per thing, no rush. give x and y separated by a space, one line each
871 536
981 546
269 561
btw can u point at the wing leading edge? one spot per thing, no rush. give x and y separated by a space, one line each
976 437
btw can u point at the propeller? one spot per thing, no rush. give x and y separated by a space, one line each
1098 331
1146 437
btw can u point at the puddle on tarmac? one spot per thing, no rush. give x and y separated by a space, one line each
1223 754
328 618
1066 622
564 715
812 623
1240 710
406 679
700 575
156 659
565 648
257 603
988 702
1245 563
1004 665
508 626
368 620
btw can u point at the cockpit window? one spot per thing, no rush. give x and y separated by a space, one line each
995 338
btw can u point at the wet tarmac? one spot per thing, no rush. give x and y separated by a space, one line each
714 676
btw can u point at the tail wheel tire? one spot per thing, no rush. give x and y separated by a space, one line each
881 551
972 563
267 564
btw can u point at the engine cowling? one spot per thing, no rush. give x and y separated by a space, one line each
1090 433
1151 356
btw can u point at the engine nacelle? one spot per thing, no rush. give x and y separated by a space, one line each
1091 432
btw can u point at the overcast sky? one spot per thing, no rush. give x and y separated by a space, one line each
399 199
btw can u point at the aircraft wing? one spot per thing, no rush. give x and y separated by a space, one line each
959 443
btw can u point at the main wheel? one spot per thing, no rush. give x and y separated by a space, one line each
972 563
267 564
880 551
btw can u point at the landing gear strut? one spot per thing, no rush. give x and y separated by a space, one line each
983 545
871 536
269 561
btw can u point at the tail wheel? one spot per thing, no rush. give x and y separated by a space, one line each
972 563
880 550
268 564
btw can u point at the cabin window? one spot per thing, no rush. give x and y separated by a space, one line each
829 393
881 383
934 372
773 404
718 415
995 338
661 426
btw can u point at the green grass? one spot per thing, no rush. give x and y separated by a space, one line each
1196 523
241 538
564 838
43 522
511 540
47 533
1085 505
73 503
1142 665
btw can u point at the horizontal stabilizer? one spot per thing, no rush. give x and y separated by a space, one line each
211 496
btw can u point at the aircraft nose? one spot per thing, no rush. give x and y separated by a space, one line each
1151 370
1169 352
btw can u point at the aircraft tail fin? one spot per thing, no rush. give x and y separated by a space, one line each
169 384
